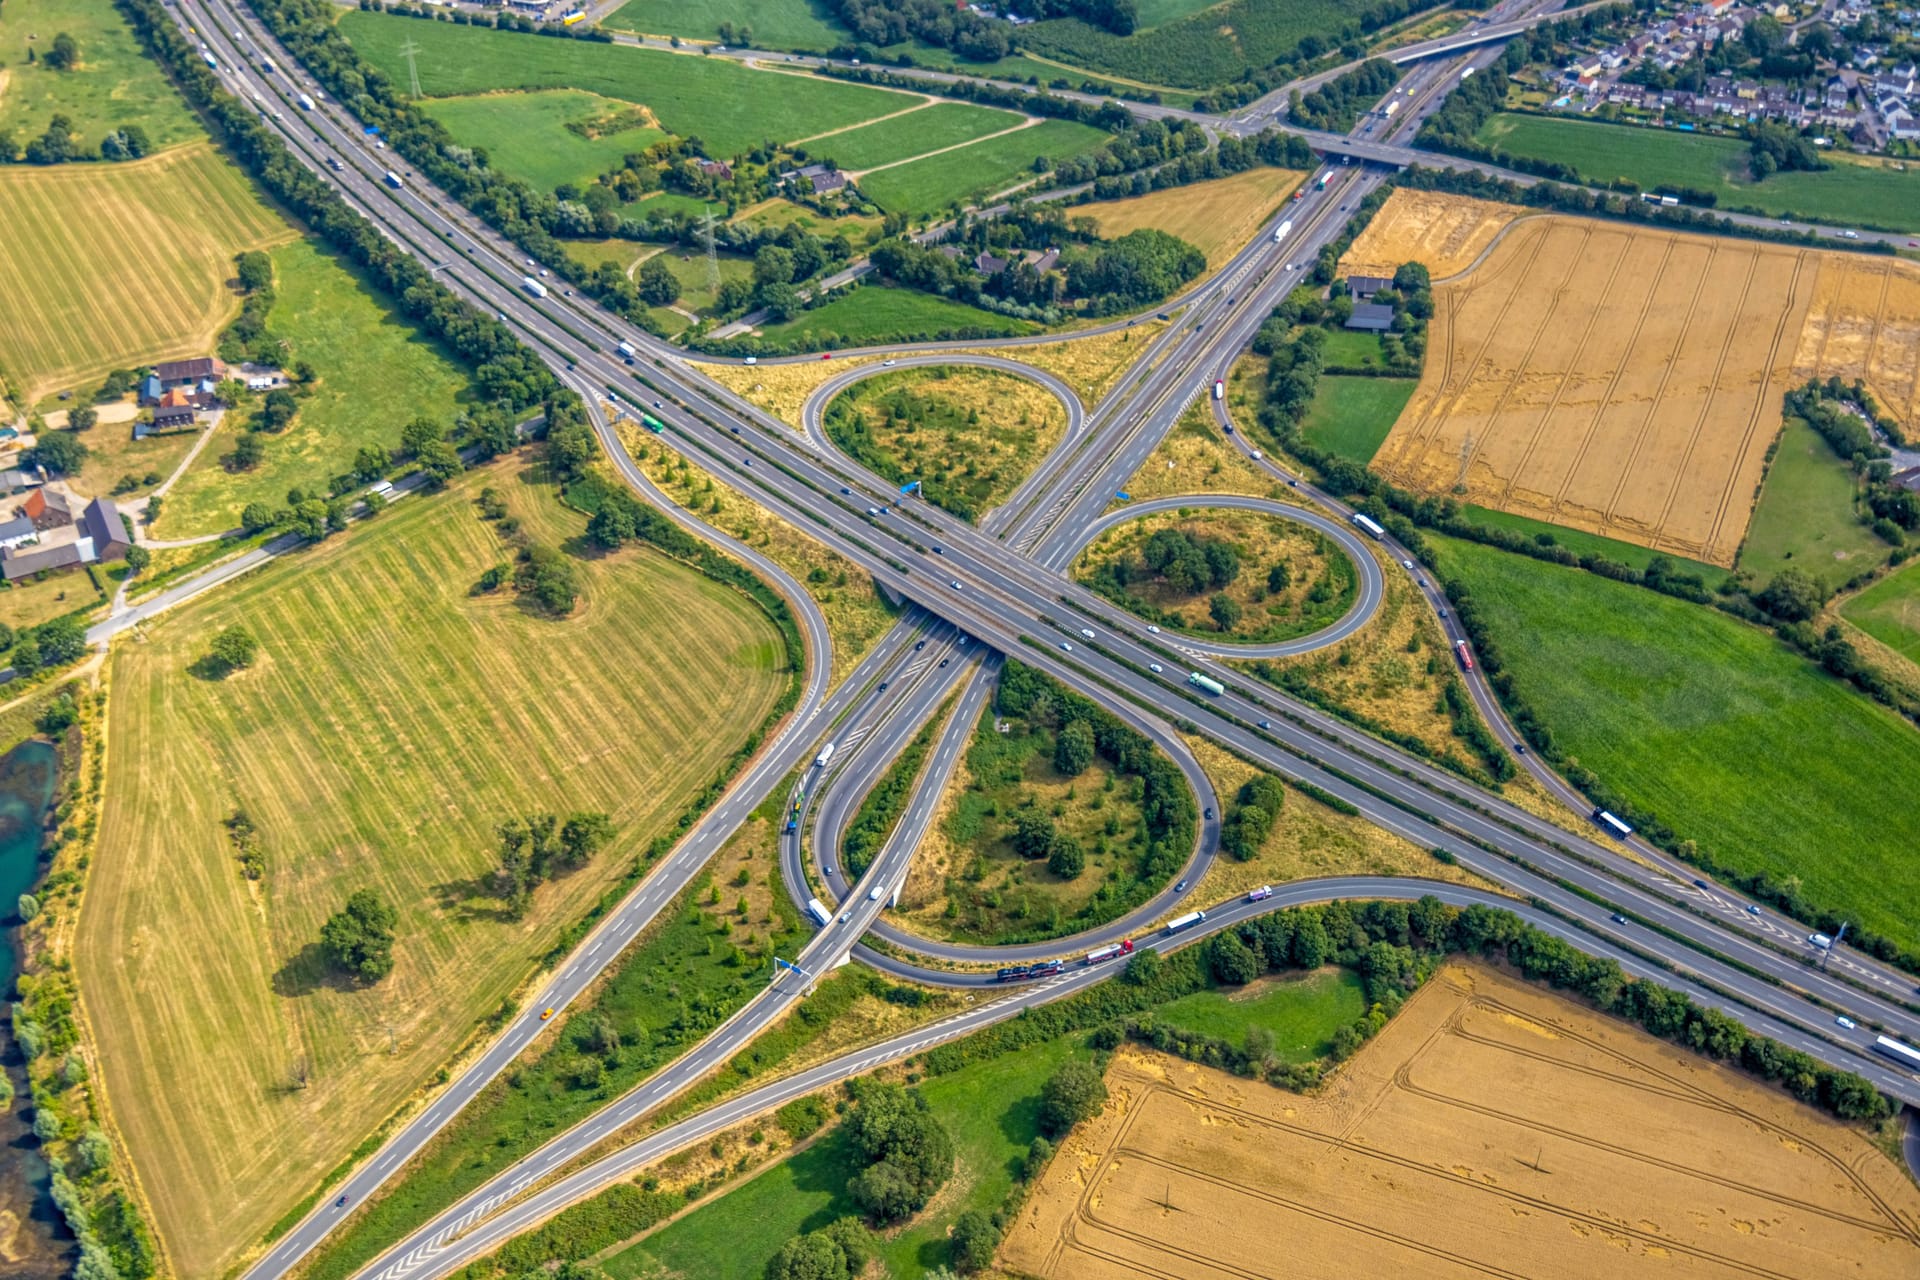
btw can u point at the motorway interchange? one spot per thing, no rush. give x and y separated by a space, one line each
977 594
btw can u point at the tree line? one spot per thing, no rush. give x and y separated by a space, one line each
1336 105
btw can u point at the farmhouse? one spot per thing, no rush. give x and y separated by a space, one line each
34 540
167 417
203 370
1363 287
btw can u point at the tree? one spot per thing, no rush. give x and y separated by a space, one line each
28 906
138 558
781 300
1144 969
656 284
61 640
64 55
233 650
1074 1093
277 411
371 462
772 265
358 939
60 713
1231 960
439 462
248 451
254 270
1792 596
1224 610
1032 834
82 418
973 1240
582 837
884 1192
1279 577
813 1256
256 516
1073 749
547 576
1065 858
418 434
58 451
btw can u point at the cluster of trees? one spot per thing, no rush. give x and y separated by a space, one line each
908 1151
59 144
536 848
357 940
60 452
1228 156
1845 416
504 369
53 643
1185 563
880 811
245 839
1255 808
1034 834
1335 106
1775 148
1138 269
838 1251
1166 804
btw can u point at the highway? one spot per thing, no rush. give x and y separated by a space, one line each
1018 605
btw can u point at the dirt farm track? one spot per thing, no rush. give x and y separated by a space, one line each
1491 1130
1627 381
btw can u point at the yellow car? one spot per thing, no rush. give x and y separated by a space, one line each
545 1014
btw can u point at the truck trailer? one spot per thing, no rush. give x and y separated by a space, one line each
393 180
533 287
1206 684
1186 921
818 910
1368 527
826 754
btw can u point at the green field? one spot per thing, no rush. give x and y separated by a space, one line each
991 1108
525 134
776 24
875 314
377 373
110 265
1192 45
944 124
1582 543
922 187
114 85
1856 191
729 107
391 720
1351 349
1351 416
1805 516
1889 611
1302 1010
1707 722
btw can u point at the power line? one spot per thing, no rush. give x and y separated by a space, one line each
407 50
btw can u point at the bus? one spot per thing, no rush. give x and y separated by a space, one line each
1367 526
1463 653
1186 921
1111 951
1904 1054
818 910
652 423
1610 824
1206 684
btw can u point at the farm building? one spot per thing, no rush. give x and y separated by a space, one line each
167 417
202 370
99 534
1363 287
1373 317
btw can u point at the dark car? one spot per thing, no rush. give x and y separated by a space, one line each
1209 815
919 646
1617 918
944 661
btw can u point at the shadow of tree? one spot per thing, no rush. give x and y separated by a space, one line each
309 971
457 899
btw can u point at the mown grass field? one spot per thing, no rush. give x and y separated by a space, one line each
1889 611
1217 217
875 313
105 266
113 86
1805 517
1302 1010
526 136
776 24
985 168
1350 416
1857 191
1706 721
730 107
377 373
391 721
943 124
1193 45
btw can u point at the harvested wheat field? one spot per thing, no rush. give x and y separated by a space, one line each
1217 217
141 277
1491 1130
1446 233
1627 381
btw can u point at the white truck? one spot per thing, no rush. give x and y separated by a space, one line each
306 102
826 754
1186 921
393 180
626 349
533 286
1391 108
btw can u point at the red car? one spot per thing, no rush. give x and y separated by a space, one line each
826 355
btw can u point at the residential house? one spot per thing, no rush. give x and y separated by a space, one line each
189 373
167 417
99 534
47 509
827 183
151 389
717 169
1043 262
988 265
1360 288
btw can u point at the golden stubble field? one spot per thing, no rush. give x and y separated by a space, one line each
1446 233
1491 1130
1628 381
